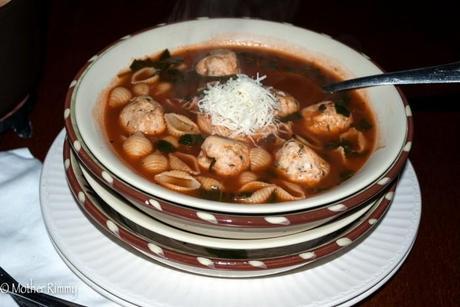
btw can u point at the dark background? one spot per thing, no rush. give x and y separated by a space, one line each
395 34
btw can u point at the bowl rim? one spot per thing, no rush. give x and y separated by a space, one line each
123 235
226 220
158 192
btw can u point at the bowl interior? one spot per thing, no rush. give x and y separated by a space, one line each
98 74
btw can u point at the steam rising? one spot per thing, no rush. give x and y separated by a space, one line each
265 9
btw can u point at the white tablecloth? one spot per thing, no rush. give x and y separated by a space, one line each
26 252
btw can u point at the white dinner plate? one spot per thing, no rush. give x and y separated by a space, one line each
129 279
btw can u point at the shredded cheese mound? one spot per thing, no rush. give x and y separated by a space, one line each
241 104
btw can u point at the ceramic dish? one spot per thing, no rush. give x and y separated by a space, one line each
224 224
129 279
151 227
179 255
392 114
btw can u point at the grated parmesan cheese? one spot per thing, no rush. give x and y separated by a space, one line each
241 104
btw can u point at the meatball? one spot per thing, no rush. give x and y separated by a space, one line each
218 63
299 163
224 156
287 104
322 119
143 114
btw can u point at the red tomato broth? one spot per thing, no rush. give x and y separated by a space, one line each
296 76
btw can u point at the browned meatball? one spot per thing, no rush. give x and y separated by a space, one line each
143 114
218 63
323 119
224 156
299 163
287 104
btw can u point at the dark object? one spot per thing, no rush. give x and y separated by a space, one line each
21 39
32 297
447 73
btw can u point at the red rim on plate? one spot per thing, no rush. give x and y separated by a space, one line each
87 201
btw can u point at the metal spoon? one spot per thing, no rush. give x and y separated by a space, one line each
447 73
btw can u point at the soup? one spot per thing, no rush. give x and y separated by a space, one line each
239 124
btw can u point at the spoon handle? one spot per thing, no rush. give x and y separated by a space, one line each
447 73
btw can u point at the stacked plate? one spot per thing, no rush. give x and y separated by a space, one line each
222 239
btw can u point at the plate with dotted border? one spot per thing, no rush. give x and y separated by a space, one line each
138 281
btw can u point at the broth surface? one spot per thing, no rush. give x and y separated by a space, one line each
292 75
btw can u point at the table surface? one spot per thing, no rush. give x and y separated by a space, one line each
395 35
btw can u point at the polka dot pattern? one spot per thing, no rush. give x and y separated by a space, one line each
277 220
257 264
343 242
77 145
81 197
155 204
107 177
337 208
207 217
93 58
205 261
389 195
73 83
407 147
67 164
307 255
372 221
112 227
408 111
156 249
384 181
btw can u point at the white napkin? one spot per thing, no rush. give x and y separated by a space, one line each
26 252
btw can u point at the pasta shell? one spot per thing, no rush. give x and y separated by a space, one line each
184 162
155 163
119 96
171 140
289 191
145 75
210 184
137 145
179 125
254 186
260 159
162 88
141 89
178 181
259 196
246 177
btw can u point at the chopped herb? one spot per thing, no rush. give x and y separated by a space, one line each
165 55
332 145
139 64
341 109
191 139
292 117
164 62
346 145
165 146
322 107
363 125
346 175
